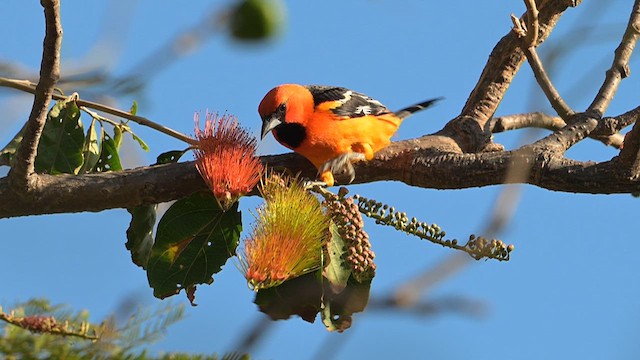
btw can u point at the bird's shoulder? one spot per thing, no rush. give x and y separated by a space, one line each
345 103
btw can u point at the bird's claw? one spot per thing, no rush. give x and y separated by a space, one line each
310 184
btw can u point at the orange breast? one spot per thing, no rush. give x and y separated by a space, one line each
328 138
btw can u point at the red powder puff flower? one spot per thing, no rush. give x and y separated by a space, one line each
226 158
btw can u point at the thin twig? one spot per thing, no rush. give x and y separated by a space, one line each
22 174
533 26
48 325
620 66
26 86
546 85
529 36
527 120
607 131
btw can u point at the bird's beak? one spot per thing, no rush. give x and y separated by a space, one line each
269 124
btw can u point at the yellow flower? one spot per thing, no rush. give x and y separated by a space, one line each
288 238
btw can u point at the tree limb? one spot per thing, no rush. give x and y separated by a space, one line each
468 129
620 66
22 174
413 162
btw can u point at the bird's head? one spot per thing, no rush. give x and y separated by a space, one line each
285 104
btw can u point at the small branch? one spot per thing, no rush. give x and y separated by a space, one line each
620 66
528 120
606 131
468 129
532 20
26 86
608 128
621 121
545 83
22 174
409 293
630 153
47 325
529 37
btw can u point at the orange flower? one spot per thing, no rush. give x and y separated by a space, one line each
226 158
288 237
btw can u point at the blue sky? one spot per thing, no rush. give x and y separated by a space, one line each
571 289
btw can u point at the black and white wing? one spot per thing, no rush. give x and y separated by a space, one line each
345 103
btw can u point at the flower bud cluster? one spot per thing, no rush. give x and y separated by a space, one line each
346 215
476 247
480 247
387 215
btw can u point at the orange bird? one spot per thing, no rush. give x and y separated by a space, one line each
331 126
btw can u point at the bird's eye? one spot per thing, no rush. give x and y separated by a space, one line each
282 107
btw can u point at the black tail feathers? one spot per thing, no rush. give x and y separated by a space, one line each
417 107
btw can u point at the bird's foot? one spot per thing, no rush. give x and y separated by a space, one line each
342 164
310 184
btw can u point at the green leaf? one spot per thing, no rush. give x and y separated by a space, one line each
90 150
7 152
300 296
140 233
170 156
193 241
117 136
109 158
337 272
338 309
143 219
134 108
141 142
62 140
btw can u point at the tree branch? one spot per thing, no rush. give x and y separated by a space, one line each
630 154
468 129
528 120
606 131
620 66
546 85
22 174
413 162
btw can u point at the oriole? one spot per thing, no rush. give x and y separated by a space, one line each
331 126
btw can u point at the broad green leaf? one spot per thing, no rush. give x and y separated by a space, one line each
140 233
90 150
300 296
109 158
134 108
337 272
170 156
7 152
143 219
62 140
338 309
193 241
117 135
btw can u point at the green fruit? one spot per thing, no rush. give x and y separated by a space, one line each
255 20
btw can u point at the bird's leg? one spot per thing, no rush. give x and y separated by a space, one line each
338 165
